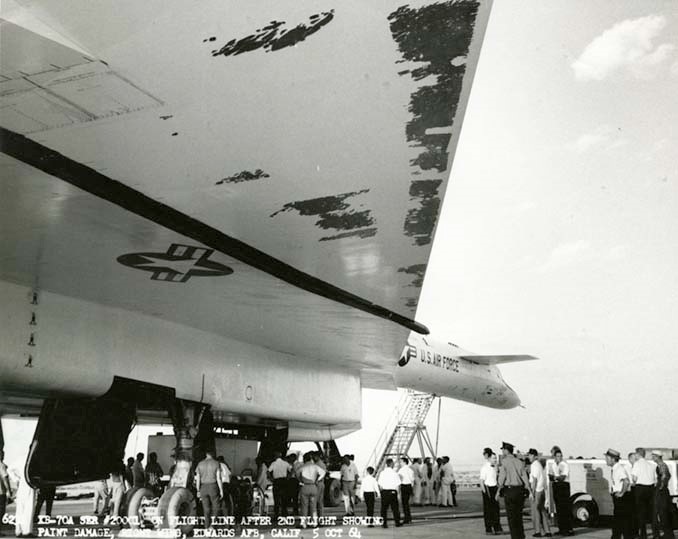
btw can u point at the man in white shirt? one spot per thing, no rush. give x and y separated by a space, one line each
370 492
349 478
278 471
488 486
620 485
644 479
406 485
540 517
446 484
559 474
389 483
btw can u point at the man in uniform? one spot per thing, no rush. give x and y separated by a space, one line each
620 488
559 474
448 497
663 498
512 483
488 486
389 483
644 482
208 483
138 472
278 472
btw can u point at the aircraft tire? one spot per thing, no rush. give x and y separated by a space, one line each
133 504
178 502
333 495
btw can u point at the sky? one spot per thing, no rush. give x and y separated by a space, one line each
559 230
558 234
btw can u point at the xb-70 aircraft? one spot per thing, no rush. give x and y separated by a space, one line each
220 214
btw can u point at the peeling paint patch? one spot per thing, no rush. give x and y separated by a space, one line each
333 211
420 221
359 234
412 303
244 176
418 270
167 117
437 37
274 36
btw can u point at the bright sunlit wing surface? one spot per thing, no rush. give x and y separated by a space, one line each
269 173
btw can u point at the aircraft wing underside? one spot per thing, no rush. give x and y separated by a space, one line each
270 172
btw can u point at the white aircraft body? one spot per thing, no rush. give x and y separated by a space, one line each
223 215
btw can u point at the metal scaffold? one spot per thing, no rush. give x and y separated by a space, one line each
405 425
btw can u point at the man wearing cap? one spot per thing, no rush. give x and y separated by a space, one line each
663 498
559 474
644 482
620 488
540 517
488 486
512 483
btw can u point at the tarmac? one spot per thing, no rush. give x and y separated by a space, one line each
428 522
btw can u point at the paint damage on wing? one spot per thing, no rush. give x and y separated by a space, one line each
418 271
274 36
435 37
434 40
334 212
421 220
244 176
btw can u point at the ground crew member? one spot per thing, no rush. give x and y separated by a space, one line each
154 474
559 474
129 476
428 478
663 498
278 472
320 500
370 490
100 493
226 485
208 483
349 478
512 483
644 481
292 496
389 483
540 517
448 486
309 474
632 457
406 486
138 472
117 489
488 486
620 488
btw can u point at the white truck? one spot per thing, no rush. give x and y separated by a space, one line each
590 488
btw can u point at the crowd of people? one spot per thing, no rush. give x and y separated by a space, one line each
639 492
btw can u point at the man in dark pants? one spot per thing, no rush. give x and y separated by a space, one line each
663 498
406 481
278 472
620 489
643 485
488 487
559 474
389 483
512 483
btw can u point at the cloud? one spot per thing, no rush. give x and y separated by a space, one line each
626 46
603 137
